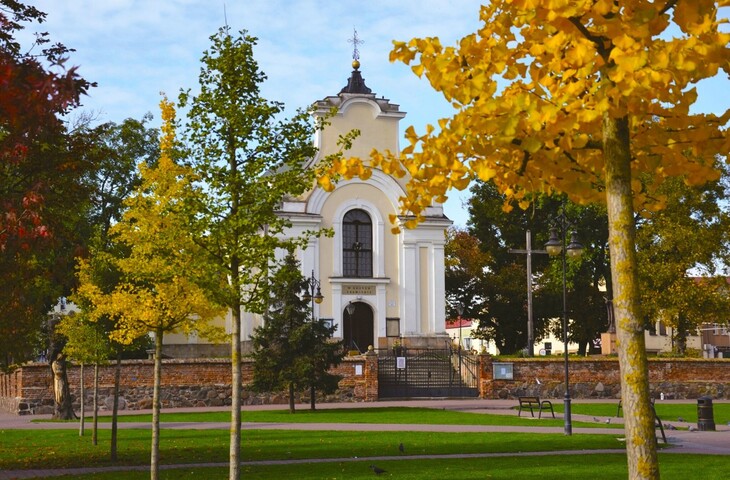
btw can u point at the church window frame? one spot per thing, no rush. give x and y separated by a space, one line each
379 229
357 244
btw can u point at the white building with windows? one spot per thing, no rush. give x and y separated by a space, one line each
393 283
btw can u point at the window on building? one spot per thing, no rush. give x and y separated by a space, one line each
357 244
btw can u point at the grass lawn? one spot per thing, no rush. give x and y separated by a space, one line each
26 449
399 415
668 412
558 467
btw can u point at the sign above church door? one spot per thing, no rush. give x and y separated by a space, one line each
355 289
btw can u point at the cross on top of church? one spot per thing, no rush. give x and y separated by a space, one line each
355 41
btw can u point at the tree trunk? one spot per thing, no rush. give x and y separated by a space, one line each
680 335
82 393
291 397
235 444
155 449
95 429
639 418
115 409
63 408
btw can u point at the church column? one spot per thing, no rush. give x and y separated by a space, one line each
438 289
380 309
410 286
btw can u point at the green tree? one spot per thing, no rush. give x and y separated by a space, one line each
249 161
579 97
278 344
320 355
689 235
116 150
87 344
466 267
503 314
291 352
159 290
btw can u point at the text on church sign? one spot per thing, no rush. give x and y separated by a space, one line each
358 289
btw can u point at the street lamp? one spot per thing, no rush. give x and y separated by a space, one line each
312 294
556 246
350 309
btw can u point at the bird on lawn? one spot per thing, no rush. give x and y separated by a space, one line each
680 419
377 469
596 419
692 428
671 427
608 420
401 448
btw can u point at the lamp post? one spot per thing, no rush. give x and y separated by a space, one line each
556 246
350 308
460 311
312 294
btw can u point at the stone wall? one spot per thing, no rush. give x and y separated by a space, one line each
601 378
205 382
185 383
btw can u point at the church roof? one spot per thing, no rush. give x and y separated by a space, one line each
356 84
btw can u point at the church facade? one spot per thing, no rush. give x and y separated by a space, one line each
378 287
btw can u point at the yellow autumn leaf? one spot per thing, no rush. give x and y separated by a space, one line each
485 173
531 144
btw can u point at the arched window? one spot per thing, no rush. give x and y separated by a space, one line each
357 244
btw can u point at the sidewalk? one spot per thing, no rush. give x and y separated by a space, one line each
681 441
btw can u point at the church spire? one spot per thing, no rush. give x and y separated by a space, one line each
355 84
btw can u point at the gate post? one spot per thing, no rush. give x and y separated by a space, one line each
371 375
485 376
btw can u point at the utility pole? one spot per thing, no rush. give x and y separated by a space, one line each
530 323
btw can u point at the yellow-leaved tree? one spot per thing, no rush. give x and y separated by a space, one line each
159 290
580 97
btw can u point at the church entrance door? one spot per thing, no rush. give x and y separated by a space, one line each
358 327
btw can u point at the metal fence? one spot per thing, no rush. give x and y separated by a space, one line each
405 373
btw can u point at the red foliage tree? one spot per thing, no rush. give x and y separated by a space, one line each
37 89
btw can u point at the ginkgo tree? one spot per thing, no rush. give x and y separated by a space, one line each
579 97
250 159
159 290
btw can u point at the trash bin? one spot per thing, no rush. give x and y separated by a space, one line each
705 416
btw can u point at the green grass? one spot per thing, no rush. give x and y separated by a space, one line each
397 415
26 449
557 467
668 412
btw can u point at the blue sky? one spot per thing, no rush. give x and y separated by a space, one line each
135 49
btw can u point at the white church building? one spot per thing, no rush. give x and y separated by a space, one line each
393 283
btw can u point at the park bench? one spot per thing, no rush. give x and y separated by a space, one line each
535 403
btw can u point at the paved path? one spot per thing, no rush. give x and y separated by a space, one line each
681 441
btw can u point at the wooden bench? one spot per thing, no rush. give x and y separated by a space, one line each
535 403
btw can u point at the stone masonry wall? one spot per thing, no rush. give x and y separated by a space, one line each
185 383
206 382
601 378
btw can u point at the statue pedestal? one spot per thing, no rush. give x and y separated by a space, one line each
608 344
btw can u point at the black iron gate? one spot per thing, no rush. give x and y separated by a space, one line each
428 373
